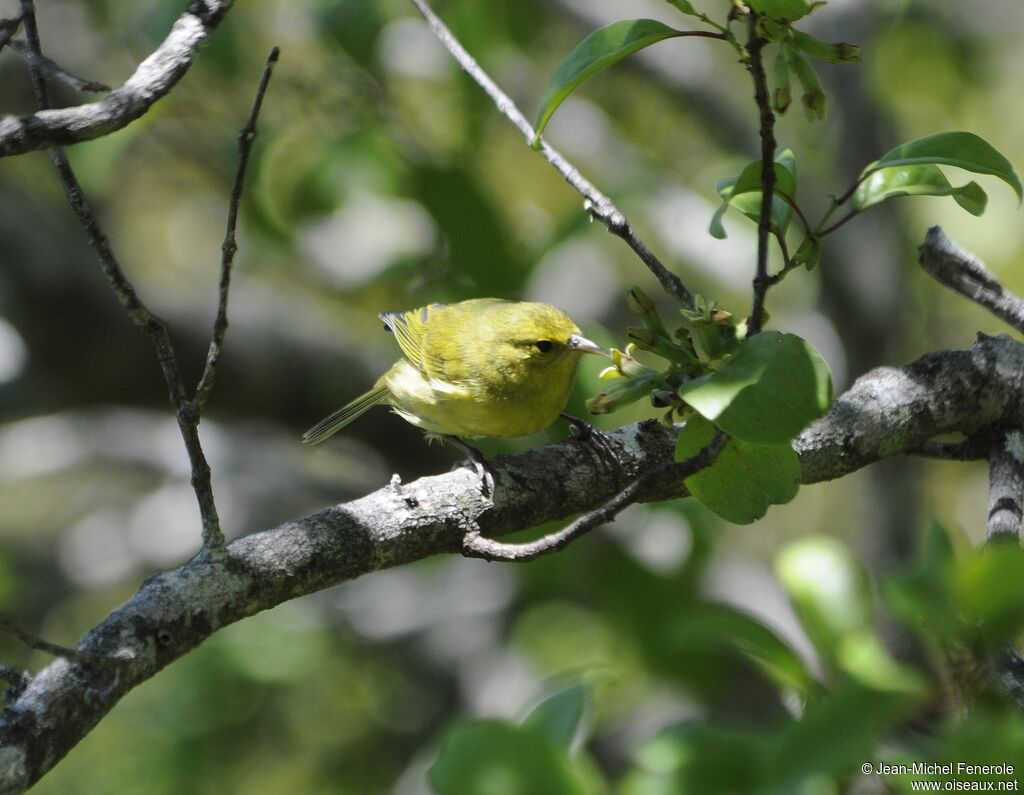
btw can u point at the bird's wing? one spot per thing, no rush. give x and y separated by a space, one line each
410 329
436 338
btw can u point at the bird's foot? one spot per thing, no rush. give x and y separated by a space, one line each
474 459
598 441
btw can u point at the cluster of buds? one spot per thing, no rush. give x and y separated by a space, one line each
706 337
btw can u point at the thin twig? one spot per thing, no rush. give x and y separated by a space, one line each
1005 486
229 247
596 203
33 642
8 27
153 78
958 270
755 64
53 69
152 326
974 449
477 546
828 230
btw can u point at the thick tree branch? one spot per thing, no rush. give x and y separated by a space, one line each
886 412
153 78
596 203
958 270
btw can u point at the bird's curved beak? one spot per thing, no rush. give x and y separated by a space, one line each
578 342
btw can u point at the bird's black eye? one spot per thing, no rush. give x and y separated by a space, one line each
544 345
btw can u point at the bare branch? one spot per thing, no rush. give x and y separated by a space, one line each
1006 486
229 247
53 69
887 411
8 27
755 65
476 546
958 270
153 78
974 449
150 325
39 644
891 410
596 203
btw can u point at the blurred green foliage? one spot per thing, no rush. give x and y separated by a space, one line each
382 179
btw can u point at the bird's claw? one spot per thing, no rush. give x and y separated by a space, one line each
475 459
598 441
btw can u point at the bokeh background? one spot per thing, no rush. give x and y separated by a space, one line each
383 179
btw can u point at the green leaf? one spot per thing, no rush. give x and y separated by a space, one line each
685 7
865 658
745 478
813 98
840 52
989 589
828 588
961 149
922 180
921 594
782 93
835 735
714 626
492 757
810 252
623 391
560 713
597 52
703 757
786 10
744 192
767 392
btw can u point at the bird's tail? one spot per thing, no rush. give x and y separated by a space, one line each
328 426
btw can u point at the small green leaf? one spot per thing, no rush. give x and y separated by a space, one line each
744 192
809 253
767 392
782 93
560 713
623 391
961 149
921 180
813 98
492 757
744 479
597 52
786 10
828 588
864 657
685 7
715 626
700 757
834 736
840 52
989 589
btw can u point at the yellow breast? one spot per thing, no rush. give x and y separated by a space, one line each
505 409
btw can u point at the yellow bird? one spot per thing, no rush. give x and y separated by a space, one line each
483 367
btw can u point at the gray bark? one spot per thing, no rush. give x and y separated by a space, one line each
886 412
153 78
